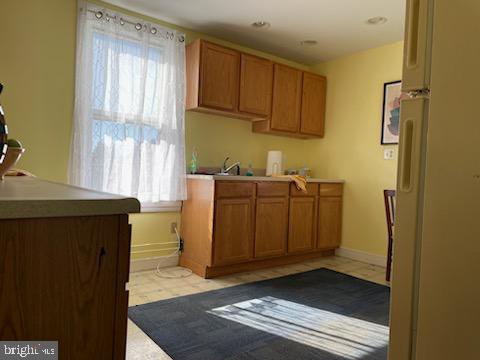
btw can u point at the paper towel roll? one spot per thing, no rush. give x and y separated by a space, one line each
274 163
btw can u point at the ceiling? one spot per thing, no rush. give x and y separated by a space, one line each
339 26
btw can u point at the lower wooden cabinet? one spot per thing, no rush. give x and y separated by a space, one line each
329 222
302 224
230 226
271 226
233 231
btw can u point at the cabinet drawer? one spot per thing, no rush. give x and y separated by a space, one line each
272 189
331 189
230 189
312 190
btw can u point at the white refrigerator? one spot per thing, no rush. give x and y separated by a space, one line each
435 304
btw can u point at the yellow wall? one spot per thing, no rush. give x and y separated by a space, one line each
351 149
37 66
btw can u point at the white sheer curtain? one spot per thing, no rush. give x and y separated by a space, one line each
128 135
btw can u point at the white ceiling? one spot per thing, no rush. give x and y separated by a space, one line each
339 26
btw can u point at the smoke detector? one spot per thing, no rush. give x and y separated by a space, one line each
377 20
261 24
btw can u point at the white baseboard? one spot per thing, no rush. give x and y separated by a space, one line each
152 263
362 256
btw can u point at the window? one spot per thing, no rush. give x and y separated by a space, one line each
128 135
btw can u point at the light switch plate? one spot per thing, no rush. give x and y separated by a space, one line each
388 154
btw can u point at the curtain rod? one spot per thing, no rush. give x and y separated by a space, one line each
138 26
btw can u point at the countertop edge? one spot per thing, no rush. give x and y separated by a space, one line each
26 209
259 178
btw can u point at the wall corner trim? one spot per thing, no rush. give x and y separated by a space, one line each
362 256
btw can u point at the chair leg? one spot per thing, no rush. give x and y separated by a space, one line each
389 259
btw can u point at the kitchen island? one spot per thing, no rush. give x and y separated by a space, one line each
239 223
64 264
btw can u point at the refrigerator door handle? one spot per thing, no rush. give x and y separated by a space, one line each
417 47
406 151
412 33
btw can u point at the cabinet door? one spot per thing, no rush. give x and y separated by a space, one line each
219 77
233 234
287 86
313 104
329 222
302 224
256 81
271 226
59 281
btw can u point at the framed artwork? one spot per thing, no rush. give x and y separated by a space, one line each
392 95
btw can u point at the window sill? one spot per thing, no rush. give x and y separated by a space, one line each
163 206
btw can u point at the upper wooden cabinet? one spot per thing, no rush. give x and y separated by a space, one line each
213 76
287 99
279 99
298 105
219 77
314 91
256 78
224 81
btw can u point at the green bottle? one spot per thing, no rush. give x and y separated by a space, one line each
193 162
249 170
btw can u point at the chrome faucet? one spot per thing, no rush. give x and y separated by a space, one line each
226 170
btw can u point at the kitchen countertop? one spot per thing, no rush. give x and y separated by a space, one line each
30 197
258 178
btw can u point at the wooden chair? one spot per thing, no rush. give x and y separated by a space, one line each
389 197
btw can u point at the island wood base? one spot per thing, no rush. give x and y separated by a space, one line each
63 279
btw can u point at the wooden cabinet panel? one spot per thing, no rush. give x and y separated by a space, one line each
302 224
271 226
233 234
256 81
231 189
219 78
286 104
314 89
331 189
269 189
329 222
312 190
59 282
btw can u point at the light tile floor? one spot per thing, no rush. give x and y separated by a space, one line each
147 286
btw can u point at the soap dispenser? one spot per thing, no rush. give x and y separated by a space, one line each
249 170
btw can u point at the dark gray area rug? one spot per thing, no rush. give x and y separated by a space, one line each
319 314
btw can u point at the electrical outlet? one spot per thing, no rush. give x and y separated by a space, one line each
389 154
173 226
